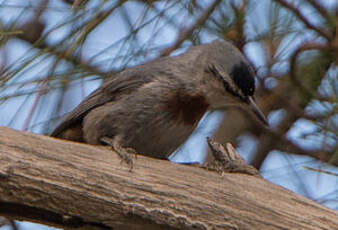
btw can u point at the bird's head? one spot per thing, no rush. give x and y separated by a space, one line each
234 76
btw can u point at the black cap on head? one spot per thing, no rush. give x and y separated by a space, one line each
243 76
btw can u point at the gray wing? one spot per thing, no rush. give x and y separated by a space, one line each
122 84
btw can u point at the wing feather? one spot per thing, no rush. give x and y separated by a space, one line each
123 84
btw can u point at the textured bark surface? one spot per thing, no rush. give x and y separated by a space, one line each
66 184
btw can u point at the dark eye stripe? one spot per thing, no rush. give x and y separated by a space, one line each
214 71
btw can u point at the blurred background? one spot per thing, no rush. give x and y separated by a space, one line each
53 53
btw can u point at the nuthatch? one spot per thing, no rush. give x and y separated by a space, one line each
153 108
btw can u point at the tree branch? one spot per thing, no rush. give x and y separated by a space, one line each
185 33
74 185
323 12
302 18
293 64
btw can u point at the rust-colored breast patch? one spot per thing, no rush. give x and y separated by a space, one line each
187 108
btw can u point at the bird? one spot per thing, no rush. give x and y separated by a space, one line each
151 109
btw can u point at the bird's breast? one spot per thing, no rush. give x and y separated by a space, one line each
186 108
171 124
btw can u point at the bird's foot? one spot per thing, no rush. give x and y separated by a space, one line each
126 154
228 160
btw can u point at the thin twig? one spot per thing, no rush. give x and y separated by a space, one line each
321 171
299 15
286 145
68 55
185 33
293 63
320 9
41 90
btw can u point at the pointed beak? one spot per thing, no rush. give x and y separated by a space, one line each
254 108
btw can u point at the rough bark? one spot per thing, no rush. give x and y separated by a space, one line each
68 185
